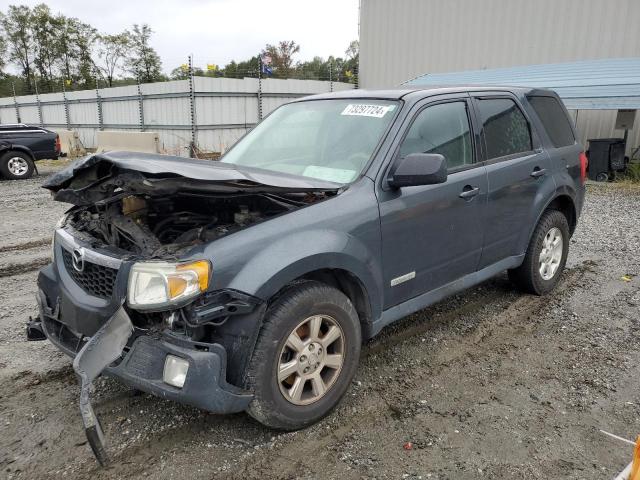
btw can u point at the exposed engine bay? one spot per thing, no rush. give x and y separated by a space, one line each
157 205
157 226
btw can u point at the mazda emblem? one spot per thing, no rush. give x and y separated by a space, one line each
77 258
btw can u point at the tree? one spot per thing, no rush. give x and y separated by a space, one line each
75 44
316 69
3 52
44 30
247 68
17 27
182 72
350 67
112 52
143 61
353 50
282 57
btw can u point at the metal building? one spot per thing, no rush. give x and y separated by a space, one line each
404 39
401 39
590 89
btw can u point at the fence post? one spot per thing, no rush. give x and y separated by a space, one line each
192 105
330 75
140 106
35 81
66 106
99 104
15 102
259 87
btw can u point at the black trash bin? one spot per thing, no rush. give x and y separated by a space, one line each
606 156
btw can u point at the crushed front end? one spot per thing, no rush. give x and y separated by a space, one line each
165 353
128 291
84 287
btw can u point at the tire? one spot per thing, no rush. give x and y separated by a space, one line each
16 165
602 177
300 303
528 276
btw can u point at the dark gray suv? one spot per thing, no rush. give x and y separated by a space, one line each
251 283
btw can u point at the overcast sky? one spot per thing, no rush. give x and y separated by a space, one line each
217 31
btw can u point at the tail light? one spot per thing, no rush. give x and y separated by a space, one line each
58 146
584 163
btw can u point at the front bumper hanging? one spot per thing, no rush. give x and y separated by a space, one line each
101 350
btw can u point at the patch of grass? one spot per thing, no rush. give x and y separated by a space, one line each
61 162
631 174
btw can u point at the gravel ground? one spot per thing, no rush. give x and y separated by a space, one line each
490 383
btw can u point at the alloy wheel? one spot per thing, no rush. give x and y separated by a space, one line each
311 360
551 253
18 166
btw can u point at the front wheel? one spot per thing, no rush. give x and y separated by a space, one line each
16 165
546 255
305 358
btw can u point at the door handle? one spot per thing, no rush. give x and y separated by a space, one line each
469 192
538 172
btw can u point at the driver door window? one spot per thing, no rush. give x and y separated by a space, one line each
443 129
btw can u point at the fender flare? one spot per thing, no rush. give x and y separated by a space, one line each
561 191
8 147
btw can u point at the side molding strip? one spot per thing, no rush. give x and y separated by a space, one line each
403 278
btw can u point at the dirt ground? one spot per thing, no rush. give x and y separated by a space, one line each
490 383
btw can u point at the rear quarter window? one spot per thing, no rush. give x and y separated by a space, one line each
554 120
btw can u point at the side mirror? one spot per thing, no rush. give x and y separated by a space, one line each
418 169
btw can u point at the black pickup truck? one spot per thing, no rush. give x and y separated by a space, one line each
21 145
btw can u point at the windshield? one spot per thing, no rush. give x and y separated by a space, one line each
325 139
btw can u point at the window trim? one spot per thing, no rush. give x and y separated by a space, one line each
535 142
474 158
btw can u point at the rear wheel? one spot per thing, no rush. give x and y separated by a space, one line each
16 165
305 357
546 255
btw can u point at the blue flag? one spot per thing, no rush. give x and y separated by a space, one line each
265 64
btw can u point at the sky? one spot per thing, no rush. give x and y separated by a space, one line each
217 31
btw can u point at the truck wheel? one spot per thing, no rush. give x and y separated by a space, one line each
16 165
546 255
305 357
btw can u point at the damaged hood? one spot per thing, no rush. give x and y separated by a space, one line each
101 176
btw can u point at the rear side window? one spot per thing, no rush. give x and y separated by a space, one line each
554 120
506 130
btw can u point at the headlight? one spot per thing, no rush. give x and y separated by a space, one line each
155 285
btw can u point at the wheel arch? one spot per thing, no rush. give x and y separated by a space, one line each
350 285
18 148
566 205
562 200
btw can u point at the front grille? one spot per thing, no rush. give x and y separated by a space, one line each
96 280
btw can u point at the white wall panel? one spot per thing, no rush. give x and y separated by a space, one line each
231 104
121 113
29 115
599 124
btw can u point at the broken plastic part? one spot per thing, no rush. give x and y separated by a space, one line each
100 351
34 330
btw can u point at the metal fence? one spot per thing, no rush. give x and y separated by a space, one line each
209 114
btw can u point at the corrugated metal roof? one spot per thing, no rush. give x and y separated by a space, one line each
606 84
